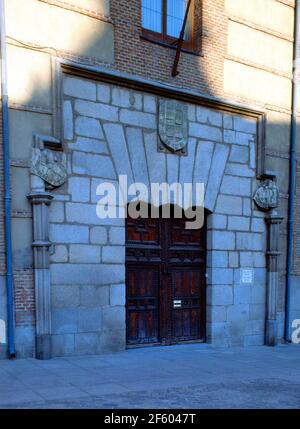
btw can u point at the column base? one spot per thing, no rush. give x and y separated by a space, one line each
43 347
271 333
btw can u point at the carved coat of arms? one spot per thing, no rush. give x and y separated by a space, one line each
50 166
267 195
173 124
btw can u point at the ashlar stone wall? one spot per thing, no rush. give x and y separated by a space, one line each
108 131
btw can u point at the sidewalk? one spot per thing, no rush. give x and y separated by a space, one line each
185 376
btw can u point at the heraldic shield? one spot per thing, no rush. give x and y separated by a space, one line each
49 166
267 195
173 124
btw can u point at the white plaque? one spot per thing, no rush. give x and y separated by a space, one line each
247 275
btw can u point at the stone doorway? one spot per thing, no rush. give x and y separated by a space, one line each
165 282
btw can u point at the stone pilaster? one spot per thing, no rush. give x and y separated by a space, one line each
40 201
273 220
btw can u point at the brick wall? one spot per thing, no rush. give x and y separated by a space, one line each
24 297
140 57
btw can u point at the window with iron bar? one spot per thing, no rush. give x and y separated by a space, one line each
162 21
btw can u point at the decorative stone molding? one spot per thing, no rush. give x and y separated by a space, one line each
266 196
49 162
103 74
68 5
273 220
40 202
173 124
47 171
50 166
266 199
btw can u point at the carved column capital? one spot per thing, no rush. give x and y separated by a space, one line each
273 217
41 197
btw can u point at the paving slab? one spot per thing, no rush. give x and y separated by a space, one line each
183 376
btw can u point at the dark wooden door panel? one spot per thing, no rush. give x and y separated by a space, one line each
143 231
142 304
188 303
165 281
179 236
186 282
186 325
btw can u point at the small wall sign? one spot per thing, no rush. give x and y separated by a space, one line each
247 276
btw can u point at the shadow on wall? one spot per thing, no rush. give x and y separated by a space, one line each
31 101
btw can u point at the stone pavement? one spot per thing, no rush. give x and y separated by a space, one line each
184 376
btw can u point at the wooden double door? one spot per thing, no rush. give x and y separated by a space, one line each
165 282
